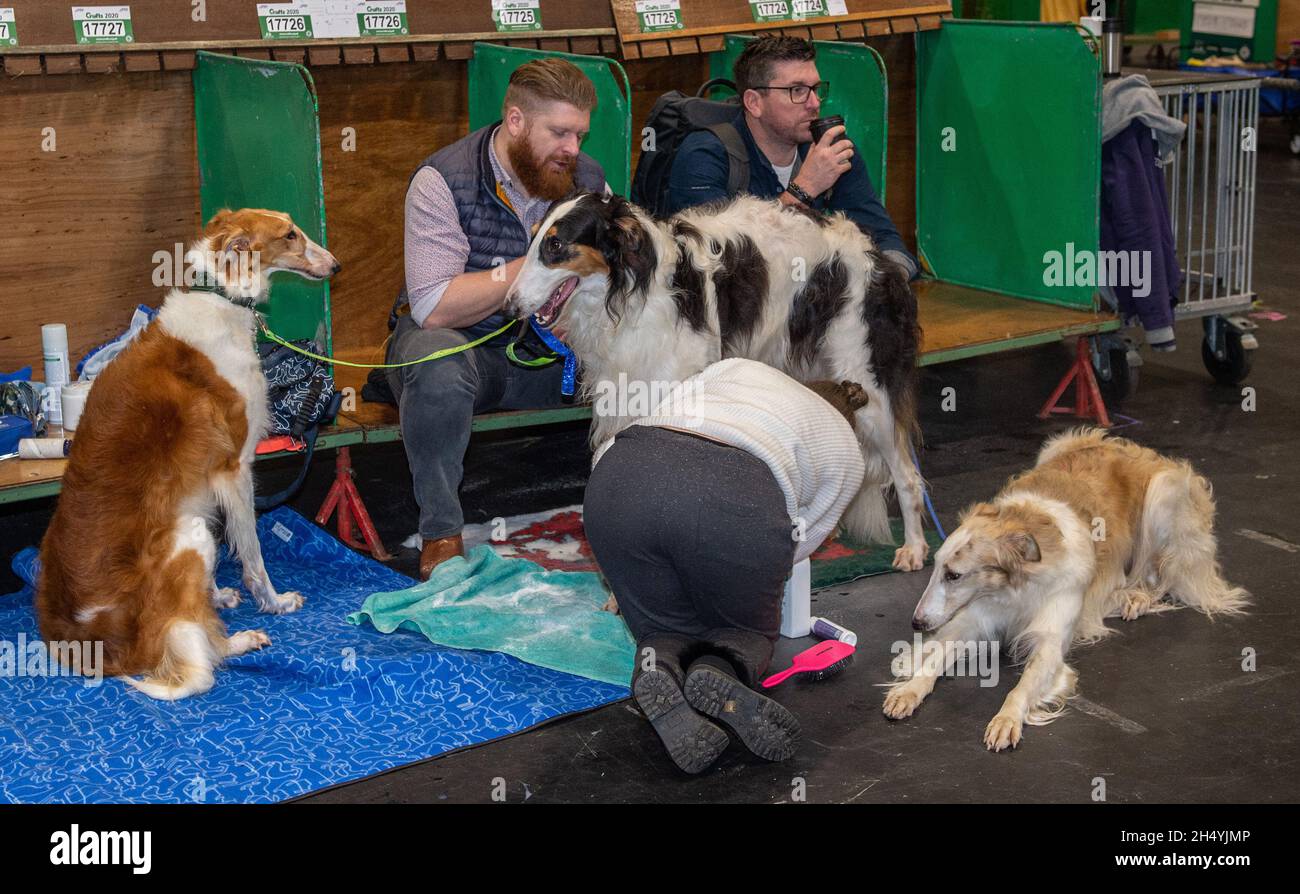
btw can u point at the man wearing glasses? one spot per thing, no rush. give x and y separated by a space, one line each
781 95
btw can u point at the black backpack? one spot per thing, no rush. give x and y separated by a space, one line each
300 398
300 389
674 116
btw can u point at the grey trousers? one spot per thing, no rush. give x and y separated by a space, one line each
437 402
695 539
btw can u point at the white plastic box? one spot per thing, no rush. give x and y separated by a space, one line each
796 607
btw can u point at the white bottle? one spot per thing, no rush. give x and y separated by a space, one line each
54 345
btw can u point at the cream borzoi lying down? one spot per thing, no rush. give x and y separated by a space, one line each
658 301
1099 527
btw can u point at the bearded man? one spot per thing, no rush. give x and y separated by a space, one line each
470 211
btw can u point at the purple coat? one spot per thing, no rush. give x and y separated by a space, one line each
1135 217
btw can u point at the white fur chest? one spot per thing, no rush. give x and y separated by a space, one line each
224 333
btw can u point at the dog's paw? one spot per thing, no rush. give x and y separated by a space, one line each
611 605
901 702
1002 732
911 558
854 395
226 597
1136 604
247 641
283 603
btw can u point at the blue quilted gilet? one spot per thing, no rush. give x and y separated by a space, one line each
493 229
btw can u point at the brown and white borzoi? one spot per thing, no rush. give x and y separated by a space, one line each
658 301
167 440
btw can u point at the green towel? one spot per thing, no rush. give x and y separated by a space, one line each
549 618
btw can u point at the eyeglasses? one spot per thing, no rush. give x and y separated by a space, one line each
799 92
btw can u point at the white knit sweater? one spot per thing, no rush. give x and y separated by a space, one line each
809 446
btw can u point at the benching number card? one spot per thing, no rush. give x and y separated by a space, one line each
102 24
284 21
659 15
517 15
382 19
8 27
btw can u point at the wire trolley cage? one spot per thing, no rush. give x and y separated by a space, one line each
1211 185
1210 181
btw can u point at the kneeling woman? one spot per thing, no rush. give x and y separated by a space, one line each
696 515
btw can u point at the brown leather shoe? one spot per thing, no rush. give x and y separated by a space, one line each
434 552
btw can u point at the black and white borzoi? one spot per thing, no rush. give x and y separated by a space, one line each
658 301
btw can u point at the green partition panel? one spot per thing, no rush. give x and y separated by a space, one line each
259 147
859 92
610 139
1147 16
1002 10
1008 154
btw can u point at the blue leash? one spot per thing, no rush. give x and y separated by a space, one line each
925 492
570 362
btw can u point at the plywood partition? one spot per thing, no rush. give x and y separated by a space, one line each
399 115
651 78
899 54
97 173
81 224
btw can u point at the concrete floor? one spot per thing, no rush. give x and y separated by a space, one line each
1166 715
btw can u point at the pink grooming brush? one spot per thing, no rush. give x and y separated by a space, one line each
817 663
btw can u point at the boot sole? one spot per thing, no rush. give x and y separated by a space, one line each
765 728
692 742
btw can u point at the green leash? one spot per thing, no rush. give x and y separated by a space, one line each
436 355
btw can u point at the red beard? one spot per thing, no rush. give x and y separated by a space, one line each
540 179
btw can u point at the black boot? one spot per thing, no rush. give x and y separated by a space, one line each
691 740
765 727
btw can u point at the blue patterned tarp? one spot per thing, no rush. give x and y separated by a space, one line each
326 703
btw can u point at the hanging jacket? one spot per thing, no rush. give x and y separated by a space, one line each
1135 218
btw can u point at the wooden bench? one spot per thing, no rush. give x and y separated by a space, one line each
957 322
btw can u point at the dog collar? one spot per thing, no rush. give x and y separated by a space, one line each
247 303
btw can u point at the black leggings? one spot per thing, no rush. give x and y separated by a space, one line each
695 540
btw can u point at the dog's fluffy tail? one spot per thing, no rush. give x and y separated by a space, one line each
1176 553
1079 438
190 654
867 518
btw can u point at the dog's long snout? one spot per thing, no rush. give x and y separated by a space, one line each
322 262
931 611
